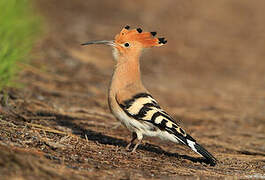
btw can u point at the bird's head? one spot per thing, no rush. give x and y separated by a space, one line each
129 43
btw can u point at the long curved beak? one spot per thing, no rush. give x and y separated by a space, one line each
109 43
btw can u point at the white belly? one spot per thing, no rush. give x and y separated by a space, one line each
132 124
144 128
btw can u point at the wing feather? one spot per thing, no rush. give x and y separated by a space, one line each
144 107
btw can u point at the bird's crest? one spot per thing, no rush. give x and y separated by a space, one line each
147 39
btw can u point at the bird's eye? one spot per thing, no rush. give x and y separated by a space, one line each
126 44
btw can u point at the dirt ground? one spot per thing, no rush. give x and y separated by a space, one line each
209 77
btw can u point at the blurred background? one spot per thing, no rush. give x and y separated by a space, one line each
210 75
214 56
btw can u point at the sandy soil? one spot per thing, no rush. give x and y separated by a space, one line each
209 77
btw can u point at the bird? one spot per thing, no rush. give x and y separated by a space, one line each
131 103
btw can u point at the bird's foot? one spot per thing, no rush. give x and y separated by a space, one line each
128 147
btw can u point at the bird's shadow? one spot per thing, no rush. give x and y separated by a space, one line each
105 139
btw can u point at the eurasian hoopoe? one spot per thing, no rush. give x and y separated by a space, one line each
131 103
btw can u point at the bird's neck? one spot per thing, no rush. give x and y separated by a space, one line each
126 74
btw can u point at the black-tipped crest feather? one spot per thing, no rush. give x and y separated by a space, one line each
139 30
153 33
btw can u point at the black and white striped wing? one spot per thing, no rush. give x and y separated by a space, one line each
144 107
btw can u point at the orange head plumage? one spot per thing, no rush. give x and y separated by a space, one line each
137 36
131 42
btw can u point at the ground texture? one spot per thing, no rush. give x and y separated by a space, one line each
209 77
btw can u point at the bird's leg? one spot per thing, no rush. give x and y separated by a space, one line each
139 137
136 145
134 136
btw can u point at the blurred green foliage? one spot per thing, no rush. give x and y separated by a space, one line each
18 29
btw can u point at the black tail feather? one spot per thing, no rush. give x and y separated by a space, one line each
208 156
190 142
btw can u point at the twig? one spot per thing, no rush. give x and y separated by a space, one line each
5 122
47 129
41 118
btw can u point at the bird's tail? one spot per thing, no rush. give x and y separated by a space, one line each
200 150
187 140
